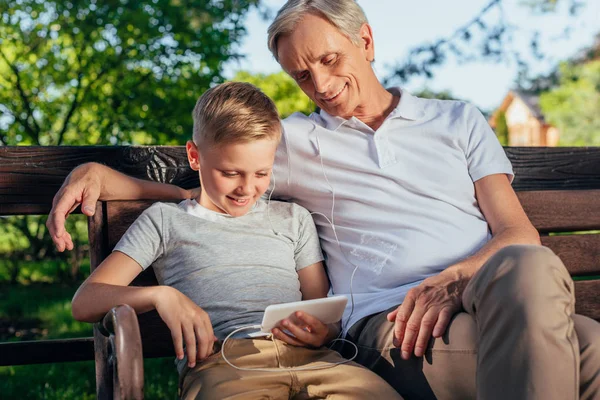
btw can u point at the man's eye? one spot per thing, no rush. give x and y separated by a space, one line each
329 60
302 77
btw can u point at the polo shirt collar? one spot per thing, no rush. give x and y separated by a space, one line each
409 107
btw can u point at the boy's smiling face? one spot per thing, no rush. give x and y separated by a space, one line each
233 176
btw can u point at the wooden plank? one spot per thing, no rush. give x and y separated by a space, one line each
562 211
587 298
30 176
580 253
46 351
555 168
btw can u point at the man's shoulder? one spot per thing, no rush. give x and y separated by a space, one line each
301 122
445 107
287 209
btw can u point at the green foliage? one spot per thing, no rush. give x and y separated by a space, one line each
427 93
282 89
91 72
502 128
77 381
44 311
573 105
88 72
28 255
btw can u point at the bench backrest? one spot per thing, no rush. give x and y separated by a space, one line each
555 213
558 187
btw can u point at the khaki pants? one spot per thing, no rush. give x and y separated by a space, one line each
215 379
518 339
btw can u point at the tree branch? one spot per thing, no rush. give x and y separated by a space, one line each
35 132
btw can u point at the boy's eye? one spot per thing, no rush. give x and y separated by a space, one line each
229 174
262 174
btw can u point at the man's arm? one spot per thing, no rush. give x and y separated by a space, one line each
428 308
91 182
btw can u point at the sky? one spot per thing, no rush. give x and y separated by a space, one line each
399 25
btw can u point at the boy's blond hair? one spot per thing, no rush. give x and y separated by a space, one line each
234 112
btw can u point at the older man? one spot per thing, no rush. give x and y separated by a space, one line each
452 295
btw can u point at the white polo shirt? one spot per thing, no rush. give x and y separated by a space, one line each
405 206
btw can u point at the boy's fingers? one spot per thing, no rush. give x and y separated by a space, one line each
284 337
190 344
310 322
202 342
177 342
301 334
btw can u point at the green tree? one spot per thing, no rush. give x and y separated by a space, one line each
573 105
114 71
282 89
88 72
502 128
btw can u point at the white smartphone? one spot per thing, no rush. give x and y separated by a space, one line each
328 310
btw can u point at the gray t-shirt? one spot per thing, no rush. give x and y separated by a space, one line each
231 267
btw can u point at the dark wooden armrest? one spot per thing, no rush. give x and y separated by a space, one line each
125 359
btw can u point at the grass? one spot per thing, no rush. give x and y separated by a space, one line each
43 311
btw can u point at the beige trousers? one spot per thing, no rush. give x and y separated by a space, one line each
214 379
518 339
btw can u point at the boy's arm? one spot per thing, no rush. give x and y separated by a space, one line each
90 182
107 287
308 330
314 283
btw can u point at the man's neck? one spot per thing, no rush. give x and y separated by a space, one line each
377 107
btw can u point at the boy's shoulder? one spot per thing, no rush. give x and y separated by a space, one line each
160 210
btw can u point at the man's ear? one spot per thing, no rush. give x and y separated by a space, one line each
367 43
193 155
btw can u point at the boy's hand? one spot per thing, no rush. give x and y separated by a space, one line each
308 330
188 323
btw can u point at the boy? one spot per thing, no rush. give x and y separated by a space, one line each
222 258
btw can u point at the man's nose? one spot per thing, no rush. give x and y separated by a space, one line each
320 81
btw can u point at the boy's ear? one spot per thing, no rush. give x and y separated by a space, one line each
193 155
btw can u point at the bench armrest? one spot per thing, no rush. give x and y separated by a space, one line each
125 358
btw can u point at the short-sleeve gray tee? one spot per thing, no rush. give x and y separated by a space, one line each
231 267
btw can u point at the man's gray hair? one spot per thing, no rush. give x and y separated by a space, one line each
346 15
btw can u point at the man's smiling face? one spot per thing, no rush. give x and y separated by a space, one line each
327 66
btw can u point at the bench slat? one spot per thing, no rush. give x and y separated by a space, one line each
587 298
562 211
36 172
46 351
579 253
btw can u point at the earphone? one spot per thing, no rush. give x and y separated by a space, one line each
331 223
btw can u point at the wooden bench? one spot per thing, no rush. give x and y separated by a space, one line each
558 187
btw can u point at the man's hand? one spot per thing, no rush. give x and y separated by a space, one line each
308 331
188 324
82 187
426 311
